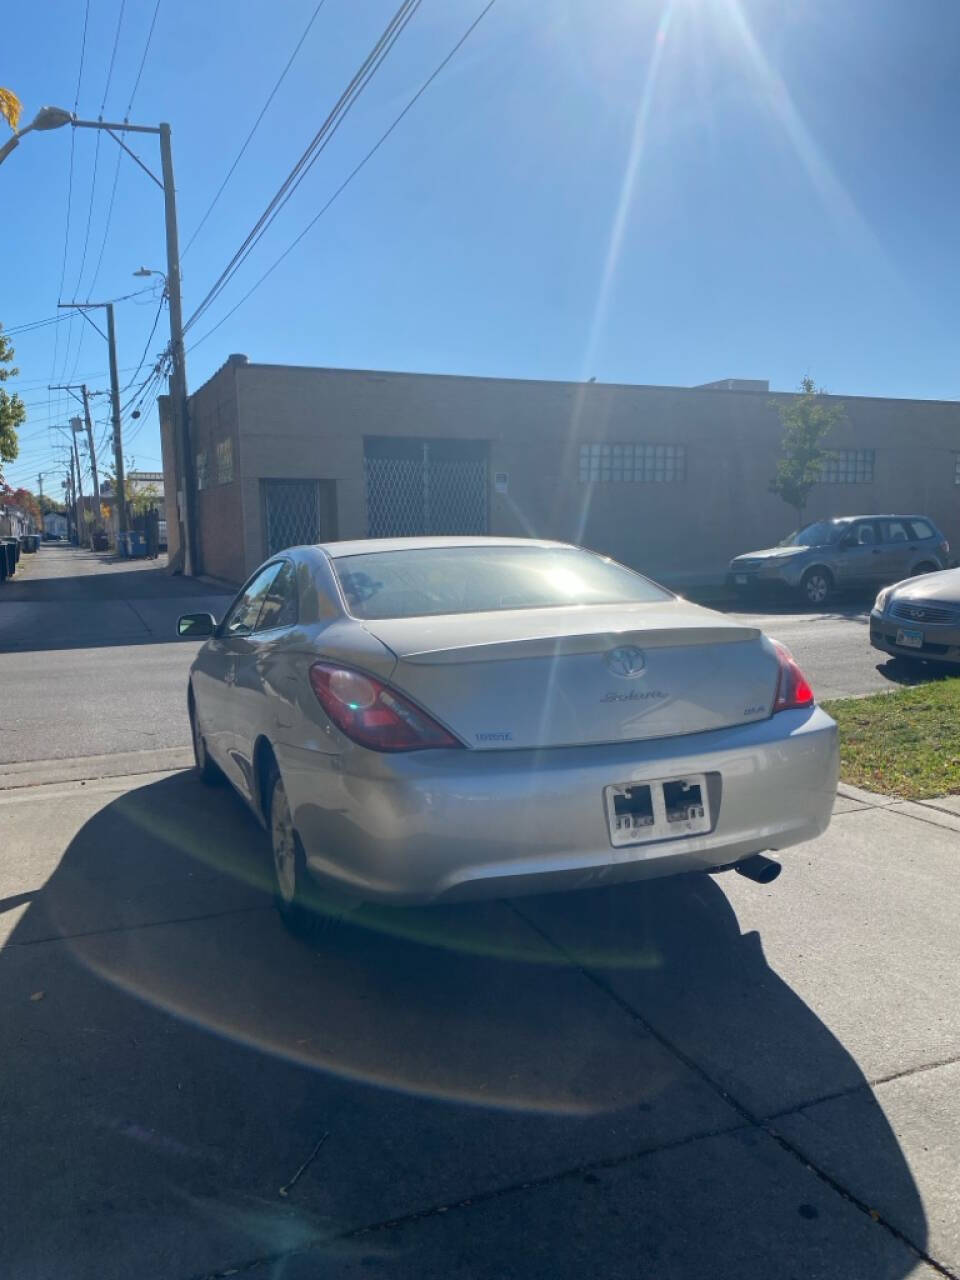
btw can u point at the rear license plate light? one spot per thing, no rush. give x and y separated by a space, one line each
664 809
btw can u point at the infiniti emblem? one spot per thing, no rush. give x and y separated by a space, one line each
918 613
626 661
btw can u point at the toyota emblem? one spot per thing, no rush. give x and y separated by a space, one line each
626 661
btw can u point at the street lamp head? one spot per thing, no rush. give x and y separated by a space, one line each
51 118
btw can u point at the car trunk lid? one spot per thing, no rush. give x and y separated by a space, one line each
587 674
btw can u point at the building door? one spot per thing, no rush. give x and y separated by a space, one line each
297 513
417 487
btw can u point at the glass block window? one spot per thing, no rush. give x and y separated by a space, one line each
848 466
224 461
203 476
633 463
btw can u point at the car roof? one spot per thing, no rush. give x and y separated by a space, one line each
878 515
363 546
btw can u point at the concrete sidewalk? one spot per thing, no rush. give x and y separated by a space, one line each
697 1077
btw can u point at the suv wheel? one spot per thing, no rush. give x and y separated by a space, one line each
816 585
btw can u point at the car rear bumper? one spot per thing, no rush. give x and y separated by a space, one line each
940 643
429 826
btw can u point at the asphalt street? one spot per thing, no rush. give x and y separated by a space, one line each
89 660
694 1078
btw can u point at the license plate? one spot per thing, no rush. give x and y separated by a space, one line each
909 639
740 579
641 812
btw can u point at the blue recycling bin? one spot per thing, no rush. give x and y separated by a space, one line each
137 544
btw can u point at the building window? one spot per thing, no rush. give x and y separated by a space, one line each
956 468
633 463
848 466
225 461
203 479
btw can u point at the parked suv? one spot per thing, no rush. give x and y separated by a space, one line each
850 551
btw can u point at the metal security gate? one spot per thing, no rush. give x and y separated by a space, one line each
296 513
417 487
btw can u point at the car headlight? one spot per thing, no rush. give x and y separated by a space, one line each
880 603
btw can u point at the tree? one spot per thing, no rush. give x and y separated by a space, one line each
12 409
807 420
48 504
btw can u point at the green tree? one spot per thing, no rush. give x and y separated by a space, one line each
12 409
806 420
48 504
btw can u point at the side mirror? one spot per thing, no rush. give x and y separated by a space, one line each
194 626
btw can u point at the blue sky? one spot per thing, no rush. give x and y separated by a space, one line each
633 190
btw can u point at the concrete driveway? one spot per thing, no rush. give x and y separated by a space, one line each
696 1077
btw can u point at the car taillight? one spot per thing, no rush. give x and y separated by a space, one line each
793 691
374 715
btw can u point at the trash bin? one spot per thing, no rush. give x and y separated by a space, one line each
30 543
136 544
16 550
10 555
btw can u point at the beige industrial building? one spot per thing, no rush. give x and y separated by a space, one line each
671 480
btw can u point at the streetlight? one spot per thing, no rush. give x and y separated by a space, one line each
55 118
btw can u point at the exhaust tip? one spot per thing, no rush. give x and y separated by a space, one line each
759 869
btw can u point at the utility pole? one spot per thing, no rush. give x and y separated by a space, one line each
178 370
40 483
84 398
93 453
76 455
117 439
111 336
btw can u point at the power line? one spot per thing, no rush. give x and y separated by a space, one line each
256 125
146 347
116 172
317 145
353 173
66 232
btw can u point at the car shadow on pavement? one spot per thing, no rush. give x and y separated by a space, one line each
910 671
190 1089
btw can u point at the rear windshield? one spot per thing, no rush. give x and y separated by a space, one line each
432 580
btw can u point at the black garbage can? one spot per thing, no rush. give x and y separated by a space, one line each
16 550
10 555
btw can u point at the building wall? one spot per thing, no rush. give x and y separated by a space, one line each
213 428
294 423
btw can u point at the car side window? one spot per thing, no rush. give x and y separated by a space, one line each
866 534
280 606
921 530
242 618
895 531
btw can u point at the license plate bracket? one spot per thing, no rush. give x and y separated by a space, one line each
657 809
909 638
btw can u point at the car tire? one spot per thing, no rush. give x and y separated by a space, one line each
816 585
306 910
209 772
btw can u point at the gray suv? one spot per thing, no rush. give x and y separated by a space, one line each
850 551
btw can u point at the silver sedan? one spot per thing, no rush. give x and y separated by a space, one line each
430 719
920 618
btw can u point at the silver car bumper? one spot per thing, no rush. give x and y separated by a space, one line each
425 826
